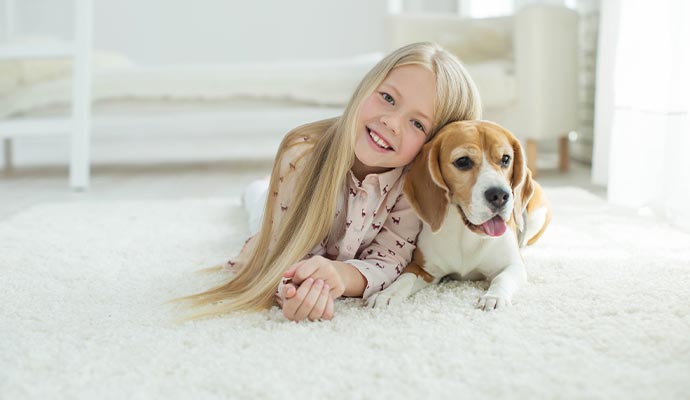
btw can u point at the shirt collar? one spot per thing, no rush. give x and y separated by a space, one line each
385 180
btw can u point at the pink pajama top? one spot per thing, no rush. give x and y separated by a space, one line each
375 228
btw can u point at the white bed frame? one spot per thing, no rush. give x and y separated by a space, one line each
78 124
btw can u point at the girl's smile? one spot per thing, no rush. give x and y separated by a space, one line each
378 142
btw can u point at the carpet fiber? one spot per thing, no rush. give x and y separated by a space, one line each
83 286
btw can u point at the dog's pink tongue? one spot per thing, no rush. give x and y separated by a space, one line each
494 227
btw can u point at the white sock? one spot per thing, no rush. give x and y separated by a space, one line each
254 200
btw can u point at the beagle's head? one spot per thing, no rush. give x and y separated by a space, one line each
476 166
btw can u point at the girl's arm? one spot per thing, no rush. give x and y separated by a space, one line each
240 260
388 254
353 280
288 172
378 265
343 278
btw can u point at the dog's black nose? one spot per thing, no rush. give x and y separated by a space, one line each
497 197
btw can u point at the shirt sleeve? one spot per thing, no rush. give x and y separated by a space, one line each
289 171
240 260
391 250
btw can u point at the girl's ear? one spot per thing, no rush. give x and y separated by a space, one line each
425 187
521 183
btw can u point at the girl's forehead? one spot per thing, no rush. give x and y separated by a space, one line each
411 71
415 84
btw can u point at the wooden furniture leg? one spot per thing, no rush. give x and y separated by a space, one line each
563 154
531 151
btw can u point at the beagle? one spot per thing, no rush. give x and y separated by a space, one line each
479 205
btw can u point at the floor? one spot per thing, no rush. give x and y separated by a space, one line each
24 187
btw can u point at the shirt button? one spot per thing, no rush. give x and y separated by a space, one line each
349 247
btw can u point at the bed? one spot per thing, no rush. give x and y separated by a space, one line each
200 112
524 65
186 112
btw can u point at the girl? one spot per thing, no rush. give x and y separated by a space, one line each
335 221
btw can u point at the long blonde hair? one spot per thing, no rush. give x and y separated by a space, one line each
310 219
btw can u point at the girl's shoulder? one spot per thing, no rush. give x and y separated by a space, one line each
307 133
299 142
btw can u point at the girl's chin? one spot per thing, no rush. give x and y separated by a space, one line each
363 168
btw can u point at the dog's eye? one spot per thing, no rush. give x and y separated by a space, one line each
463 163
505 161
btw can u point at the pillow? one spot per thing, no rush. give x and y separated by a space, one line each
23 72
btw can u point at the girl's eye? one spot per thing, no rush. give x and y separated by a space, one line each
388 98
418 125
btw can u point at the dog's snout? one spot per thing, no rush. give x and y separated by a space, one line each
497 197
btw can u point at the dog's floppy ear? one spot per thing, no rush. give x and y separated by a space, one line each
521 183
425 188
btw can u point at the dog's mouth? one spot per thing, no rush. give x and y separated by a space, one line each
493 227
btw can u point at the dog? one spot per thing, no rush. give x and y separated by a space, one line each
479 205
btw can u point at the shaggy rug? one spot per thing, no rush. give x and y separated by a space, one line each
83 286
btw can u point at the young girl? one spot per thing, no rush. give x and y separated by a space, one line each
336 222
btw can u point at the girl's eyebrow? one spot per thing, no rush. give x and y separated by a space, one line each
426 117
392 88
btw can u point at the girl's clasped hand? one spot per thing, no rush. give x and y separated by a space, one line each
314 284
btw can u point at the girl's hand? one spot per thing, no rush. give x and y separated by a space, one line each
311 300
318 267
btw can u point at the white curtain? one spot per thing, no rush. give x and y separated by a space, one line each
642 128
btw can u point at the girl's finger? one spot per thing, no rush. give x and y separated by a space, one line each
320 306
305 271
309 300
292 304
289 290
328 312
291 271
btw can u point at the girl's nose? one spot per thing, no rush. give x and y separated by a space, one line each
391 122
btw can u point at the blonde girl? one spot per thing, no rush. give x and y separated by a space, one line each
335 221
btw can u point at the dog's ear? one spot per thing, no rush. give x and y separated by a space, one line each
425 187
521 183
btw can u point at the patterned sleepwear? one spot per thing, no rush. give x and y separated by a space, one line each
374 229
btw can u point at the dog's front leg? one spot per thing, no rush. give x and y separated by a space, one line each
503 287
412 280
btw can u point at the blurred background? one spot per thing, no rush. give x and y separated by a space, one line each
593 88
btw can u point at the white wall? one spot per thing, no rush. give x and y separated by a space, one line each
215 31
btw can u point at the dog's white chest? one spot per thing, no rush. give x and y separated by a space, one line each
454 249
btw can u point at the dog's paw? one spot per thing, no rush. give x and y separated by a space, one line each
393 294
384 298
490 302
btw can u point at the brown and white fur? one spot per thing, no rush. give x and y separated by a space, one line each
472 189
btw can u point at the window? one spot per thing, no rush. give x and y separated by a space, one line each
485 8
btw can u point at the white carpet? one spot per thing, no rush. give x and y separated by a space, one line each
82 285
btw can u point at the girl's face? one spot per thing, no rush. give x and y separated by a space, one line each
395 120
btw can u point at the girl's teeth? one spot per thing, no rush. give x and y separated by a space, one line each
378 140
